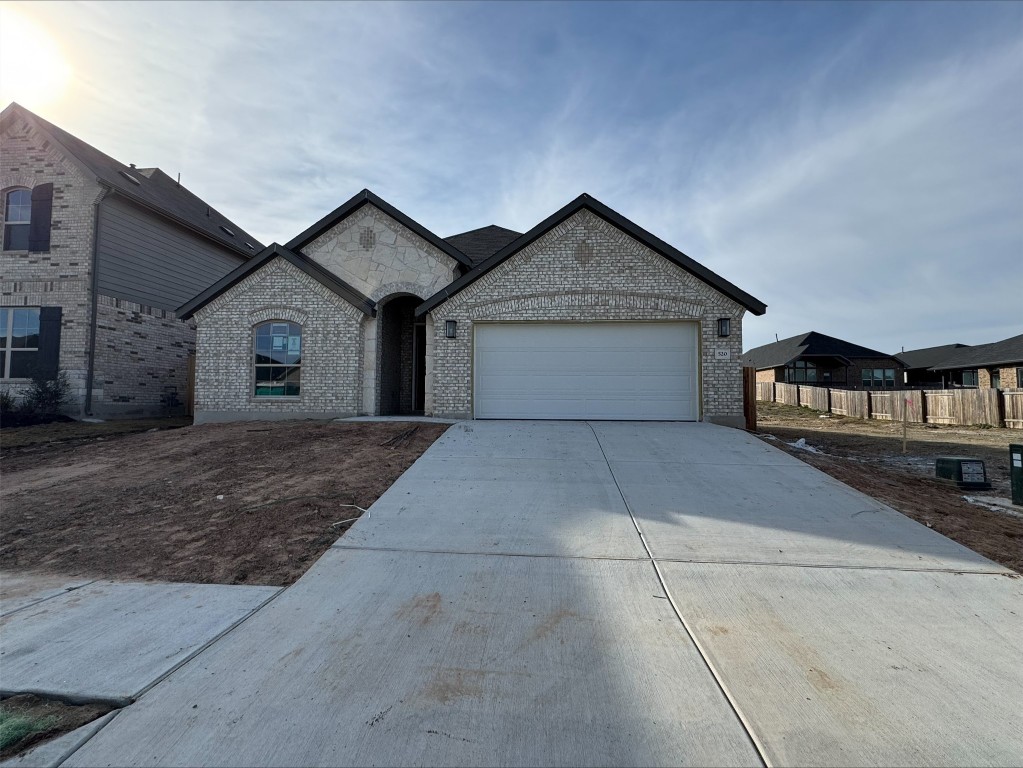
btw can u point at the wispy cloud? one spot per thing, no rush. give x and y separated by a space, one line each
857 166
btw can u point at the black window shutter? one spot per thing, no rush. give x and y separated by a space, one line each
48 361
42 209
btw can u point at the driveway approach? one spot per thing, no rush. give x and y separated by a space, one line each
565 593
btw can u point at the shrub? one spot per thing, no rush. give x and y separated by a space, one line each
46 398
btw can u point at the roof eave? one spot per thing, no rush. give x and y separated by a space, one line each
584 201
361 302
365 197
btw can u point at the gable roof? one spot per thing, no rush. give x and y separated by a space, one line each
480 244
275 250
593 205
154 188
810 344
928 356
365 197
1005 352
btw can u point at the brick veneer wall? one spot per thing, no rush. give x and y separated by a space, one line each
61 277
586 269
332 348
141 360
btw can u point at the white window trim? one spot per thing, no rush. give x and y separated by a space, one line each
5 374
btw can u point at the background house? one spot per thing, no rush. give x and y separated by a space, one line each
998 365
919 362
96 257
815 358
586 315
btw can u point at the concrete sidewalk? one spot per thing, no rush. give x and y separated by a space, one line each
499 607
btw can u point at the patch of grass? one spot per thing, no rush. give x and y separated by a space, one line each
15 727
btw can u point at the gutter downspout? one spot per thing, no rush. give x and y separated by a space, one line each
94 311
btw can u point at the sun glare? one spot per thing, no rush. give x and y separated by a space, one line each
33 71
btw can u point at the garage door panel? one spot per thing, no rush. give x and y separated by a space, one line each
593 370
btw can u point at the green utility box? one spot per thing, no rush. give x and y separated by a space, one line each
968 472
1016 472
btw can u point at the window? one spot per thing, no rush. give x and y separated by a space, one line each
970 378
801 371
878 378
17 219
19 341
996 379
1019 377
278 359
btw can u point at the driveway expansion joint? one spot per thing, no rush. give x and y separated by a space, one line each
718 679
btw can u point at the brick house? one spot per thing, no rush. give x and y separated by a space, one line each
815 358
998 365
97 255
918 362
367 312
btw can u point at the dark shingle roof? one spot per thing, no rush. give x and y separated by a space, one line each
1006 352
810 344
928 356
480 244
155 189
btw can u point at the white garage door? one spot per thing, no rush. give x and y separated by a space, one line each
586 371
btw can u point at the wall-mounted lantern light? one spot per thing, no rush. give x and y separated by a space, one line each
724 326
451 328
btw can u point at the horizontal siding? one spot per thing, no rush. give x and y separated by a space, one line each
149 261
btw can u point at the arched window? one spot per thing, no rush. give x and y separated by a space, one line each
17 219
278 359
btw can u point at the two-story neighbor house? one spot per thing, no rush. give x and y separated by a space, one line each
97 255
586 315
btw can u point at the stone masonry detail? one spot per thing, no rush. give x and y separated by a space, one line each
331 348
378 256
586 269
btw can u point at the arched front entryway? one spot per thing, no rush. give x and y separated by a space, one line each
402 356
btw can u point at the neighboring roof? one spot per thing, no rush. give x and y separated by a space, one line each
480 244
925 358
275 250
810 344
154 190
596 207
1006 352
364 197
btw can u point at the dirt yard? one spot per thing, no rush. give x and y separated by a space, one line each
243 503
867 454
27 720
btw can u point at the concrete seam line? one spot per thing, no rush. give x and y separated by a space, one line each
218 637
355 548
49 597
747 726
104 722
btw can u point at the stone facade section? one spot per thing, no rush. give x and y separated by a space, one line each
141 360
586 269
61 277
380 257
332 349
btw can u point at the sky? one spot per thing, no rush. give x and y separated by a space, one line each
856 166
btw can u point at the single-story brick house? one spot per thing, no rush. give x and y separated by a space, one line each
586 315
815 358
919 363
998 365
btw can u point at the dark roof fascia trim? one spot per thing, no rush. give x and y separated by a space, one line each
986 363
362 198
600 210
247 254
39 126
311 268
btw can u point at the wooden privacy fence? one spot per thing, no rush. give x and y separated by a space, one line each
1013 408
962 407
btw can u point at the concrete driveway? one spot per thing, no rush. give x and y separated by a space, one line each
565 593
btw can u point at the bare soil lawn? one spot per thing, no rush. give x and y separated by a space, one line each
241 503
28 720
867 454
